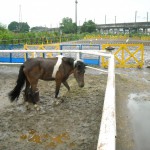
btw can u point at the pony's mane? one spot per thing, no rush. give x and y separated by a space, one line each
76 61
79 64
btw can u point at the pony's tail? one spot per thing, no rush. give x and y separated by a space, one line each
14 94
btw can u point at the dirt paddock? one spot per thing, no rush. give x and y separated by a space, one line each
74 124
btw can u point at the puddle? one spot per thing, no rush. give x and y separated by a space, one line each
139 108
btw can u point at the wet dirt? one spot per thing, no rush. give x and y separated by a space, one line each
132 109
74 124
71 125
139 106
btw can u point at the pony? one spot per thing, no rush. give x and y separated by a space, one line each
56 69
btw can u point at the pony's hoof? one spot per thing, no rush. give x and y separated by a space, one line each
58 102
27 105
37 107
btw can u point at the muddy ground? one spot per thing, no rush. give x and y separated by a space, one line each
132 119
72 125
75 123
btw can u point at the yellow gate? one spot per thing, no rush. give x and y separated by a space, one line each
126 55
41 47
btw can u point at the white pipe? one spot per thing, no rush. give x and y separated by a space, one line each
78 56
10 63
92 52
97 69
107 135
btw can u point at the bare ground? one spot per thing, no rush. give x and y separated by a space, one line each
132 81
74 124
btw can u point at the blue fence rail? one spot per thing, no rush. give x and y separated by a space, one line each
10 57
88 59
19 57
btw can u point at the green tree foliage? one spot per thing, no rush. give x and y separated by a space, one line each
67 26
21 27
13 26
2 28
39 29
24 27
89 26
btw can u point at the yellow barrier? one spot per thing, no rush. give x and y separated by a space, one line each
126 55
41 47
25 56
120 37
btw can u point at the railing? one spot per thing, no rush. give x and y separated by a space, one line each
107 134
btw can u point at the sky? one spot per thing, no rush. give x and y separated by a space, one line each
49 13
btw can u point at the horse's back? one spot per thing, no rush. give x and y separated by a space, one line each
39 67
40 61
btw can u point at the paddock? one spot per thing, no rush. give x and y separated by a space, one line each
106 104
74 124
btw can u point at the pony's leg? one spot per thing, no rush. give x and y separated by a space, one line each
34 92
35 96
26 94
57 101
31 92
26 91
65 83
58 83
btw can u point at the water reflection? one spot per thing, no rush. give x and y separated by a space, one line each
139 107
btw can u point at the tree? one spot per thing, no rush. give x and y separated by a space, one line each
89 26
2 27
13 26
67 26
39 29
21 27
24 27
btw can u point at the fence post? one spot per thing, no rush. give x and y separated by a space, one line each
107 136
78 55
99 58
11 47
61 48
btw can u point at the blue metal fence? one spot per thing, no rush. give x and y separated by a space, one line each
19 57
88 59
10 57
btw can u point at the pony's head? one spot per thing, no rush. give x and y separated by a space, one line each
79 70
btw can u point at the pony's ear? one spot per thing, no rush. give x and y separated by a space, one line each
70 61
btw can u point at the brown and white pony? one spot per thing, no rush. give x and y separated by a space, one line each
48 69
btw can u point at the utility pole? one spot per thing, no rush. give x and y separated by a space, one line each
20 14
76 2
135 15
20 18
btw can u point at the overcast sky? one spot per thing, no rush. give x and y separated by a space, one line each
49 13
